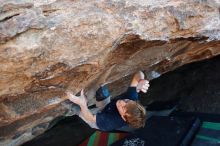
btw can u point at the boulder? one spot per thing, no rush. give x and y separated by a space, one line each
48 47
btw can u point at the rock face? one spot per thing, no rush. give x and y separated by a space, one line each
50 46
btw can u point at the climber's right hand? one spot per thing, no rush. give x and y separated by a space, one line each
80 100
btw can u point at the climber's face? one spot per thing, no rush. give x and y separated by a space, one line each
122 106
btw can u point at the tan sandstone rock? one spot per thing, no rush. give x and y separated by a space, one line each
50 46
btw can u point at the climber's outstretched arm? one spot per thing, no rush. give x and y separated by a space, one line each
82 102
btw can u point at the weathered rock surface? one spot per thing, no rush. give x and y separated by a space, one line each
49 46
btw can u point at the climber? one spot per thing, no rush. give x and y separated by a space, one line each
122 111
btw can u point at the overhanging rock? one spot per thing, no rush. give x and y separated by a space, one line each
47 47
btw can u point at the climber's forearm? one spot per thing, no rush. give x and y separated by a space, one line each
140 75
137 77
86 113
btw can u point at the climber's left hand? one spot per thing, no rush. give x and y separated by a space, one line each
143 85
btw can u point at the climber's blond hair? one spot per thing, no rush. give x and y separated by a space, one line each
135 114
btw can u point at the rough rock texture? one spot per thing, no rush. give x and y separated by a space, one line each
195 88
49 46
